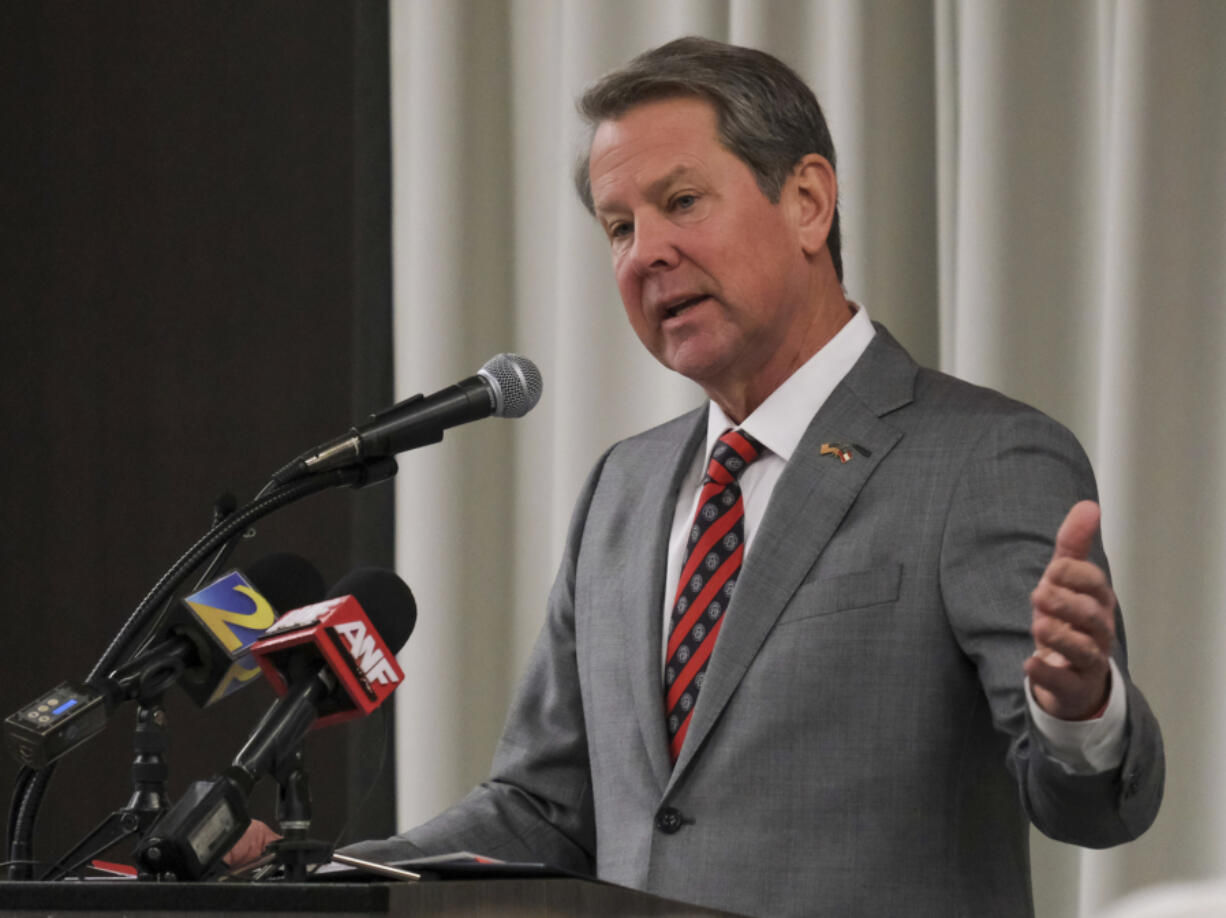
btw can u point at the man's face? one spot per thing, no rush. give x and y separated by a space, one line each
711 273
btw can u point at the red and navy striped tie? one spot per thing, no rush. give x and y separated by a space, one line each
708 577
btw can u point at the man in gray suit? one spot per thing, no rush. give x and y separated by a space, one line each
899 645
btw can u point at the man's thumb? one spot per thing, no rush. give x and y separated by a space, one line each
1076 535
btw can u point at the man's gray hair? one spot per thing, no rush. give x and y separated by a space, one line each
768 118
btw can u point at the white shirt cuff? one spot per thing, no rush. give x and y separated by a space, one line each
1084 747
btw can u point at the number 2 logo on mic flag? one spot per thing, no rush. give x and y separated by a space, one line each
233 611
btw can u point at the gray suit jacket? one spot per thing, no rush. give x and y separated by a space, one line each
861 745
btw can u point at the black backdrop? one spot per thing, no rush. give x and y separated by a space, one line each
195 287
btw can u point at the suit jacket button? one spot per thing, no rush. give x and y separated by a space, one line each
668 820
1130 790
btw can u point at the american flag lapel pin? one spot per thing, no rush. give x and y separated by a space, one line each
837 449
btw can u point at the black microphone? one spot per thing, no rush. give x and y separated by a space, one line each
508 386
203 646
190 840
213 629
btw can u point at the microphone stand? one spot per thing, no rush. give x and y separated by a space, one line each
31 783
146 681
294 851
148 800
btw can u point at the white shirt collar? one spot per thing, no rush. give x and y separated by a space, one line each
780 421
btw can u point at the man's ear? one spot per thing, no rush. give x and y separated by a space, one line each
817 194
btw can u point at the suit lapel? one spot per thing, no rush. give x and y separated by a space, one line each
642 605
805 510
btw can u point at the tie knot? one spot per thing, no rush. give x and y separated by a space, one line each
733 453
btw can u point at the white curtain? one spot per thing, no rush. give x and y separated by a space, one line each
1034 198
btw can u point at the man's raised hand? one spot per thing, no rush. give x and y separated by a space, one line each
1073 624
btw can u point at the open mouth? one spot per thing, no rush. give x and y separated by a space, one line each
680 306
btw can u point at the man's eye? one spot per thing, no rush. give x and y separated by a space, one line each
618 230
684 201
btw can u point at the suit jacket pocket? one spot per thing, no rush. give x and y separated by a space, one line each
843 593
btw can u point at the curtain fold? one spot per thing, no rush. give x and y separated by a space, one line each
1033 198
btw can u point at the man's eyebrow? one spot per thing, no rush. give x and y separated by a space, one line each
656 187
677 172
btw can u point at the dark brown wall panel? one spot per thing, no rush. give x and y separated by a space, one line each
195 288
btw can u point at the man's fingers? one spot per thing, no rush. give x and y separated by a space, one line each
1076 535
1056 679
1064 692
251 845
1079 649
1080 577
1087 613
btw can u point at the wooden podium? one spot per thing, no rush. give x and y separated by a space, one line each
521 898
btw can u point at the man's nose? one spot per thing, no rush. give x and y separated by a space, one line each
654 244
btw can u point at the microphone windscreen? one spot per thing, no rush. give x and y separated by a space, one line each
385 598
286 580
516 382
